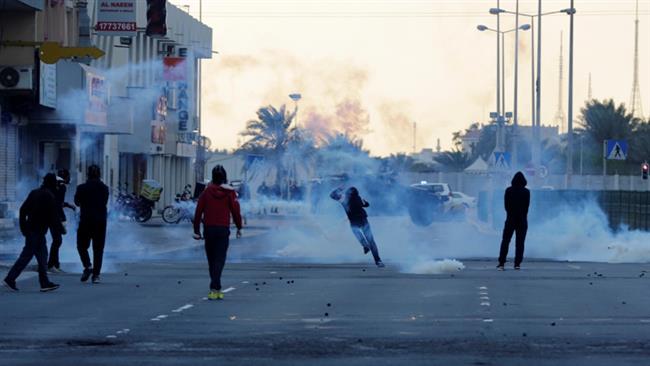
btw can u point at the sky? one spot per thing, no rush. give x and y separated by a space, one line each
373 68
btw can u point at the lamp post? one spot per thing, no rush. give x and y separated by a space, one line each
569 168
523 27
296 97
536 85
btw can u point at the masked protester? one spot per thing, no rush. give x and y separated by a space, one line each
354 207
92 198
216 204
63 179
516 200
38 213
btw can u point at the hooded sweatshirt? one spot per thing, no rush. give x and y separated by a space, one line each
216 204
517 198
353 204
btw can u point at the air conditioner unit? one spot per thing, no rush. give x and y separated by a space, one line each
16 78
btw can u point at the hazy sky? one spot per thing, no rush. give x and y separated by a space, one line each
373 67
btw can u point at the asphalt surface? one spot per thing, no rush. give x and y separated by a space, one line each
298 294
550 313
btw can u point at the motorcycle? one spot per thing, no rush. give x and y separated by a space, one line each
138 207
181 209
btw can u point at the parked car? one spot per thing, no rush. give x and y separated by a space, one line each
460 198
440 189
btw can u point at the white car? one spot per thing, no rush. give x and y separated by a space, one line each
460 198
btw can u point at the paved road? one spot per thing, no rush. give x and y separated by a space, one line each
550 313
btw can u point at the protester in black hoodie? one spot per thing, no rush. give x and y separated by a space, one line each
517 200
92 198
38 213
354 208
63 179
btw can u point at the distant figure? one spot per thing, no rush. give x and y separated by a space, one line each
38 213
354 208
63 179
517 200
216 204
92 198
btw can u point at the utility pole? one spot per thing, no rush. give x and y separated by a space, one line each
569 167
559 114
538 87
515 120
414 135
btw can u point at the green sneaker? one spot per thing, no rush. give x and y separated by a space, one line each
215 295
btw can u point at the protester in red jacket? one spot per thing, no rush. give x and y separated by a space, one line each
216 204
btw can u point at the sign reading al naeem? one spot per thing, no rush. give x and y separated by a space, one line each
116 18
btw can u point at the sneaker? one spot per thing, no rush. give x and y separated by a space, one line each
215 295
10 285
380 264
501 267
86 274
49 287
96 279
517 268
365 250
54 270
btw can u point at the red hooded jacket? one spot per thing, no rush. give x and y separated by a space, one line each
215 206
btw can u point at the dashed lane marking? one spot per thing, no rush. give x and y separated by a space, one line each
228 290
182 308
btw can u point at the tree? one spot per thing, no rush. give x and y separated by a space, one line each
454 160
605 121
271 132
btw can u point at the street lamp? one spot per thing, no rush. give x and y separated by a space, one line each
296 97
536 102
523 27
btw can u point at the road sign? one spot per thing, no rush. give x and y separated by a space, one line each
616 149
502 160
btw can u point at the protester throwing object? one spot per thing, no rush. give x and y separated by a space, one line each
216 204
354 207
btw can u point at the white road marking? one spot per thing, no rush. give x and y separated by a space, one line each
485 303
228 290
645 320
111 336
483 293
184 307
159 318
488 320
482 288
244 281
484 298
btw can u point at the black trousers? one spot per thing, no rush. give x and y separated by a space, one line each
57 240
216 247
35 245
513 226
94 232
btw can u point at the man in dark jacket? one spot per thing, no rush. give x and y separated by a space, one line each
37 214
92 198
517 200
354 208
63 179
216 204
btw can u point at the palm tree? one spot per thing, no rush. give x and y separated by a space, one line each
271 132
606 121
454 160
286 148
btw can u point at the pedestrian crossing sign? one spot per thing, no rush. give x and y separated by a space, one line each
615 149
502 160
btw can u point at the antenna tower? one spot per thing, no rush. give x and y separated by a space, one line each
559 115
635 102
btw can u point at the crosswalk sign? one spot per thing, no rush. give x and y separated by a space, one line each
502 160
615 149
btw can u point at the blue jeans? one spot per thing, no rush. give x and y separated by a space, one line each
367 240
